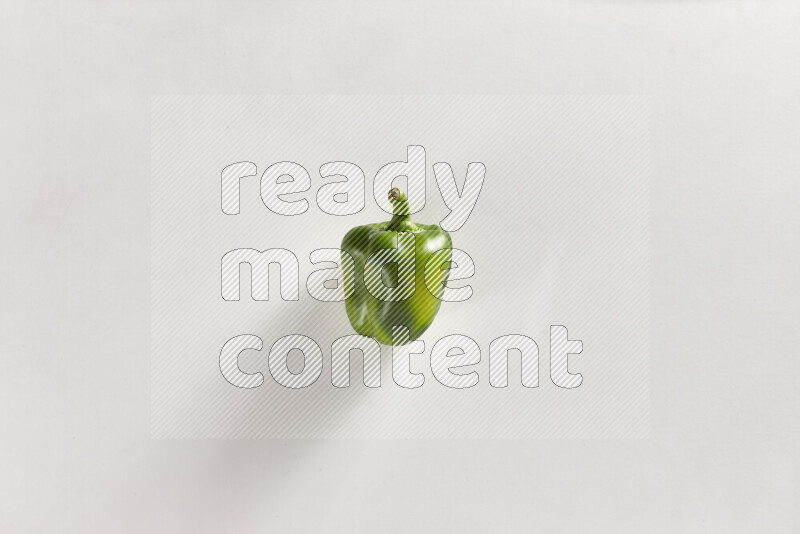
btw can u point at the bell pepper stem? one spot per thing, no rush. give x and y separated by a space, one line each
401 220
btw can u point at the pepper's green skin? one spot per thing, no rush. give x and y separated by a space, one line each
373 317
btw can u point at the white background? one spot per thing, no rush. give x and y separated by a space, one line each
76 82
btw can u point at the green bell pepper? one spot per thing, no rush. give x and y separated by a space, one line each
387 286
